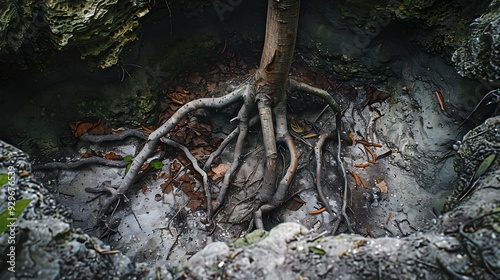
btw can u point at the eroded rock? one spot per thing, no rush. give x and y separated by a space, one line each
100 29
479 56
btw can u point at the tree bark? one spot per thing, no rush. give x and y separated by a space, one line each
271 89
279 46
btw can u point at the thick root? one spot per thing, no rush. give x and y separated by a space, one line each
154 137
274 127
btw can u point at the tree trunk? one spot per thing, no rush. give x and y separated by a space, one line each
279 46
271 87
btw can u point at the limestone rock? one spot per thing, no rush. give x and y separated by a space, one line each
479 55
99 29
46 245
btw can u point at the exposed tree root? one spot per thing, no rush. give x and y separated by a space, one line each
274 126
79 163
346 186
318 151
95 160
266 91
114 137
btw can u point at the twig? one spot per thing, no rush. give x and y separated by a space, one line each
206 184
492 92
133 213
176 239
321 113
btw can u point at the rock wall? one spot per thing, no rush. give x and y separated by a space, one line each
479 56
99 29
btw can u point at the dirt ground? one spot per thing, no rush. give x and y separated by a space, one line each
401 154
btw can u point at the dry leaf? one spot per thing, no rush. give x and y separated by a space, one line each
145 166
352 138
199 153
382 185
175 167
211 86
296 127
220 170
148 128
80 128
144 188
194 204
167 187
295 203
113 156
195 78
311 135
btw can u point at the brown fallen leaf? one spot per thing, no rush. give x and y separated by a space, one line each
220 170
296 126
113 156
174 167
211 86
144 167
195 78
295 203
194 204
80 128
144 188
318 211
167 187
382 185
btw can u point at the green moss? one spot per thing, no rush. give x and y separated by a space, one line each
251 238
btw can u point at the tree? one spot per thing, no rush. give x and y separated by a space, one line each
267 90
